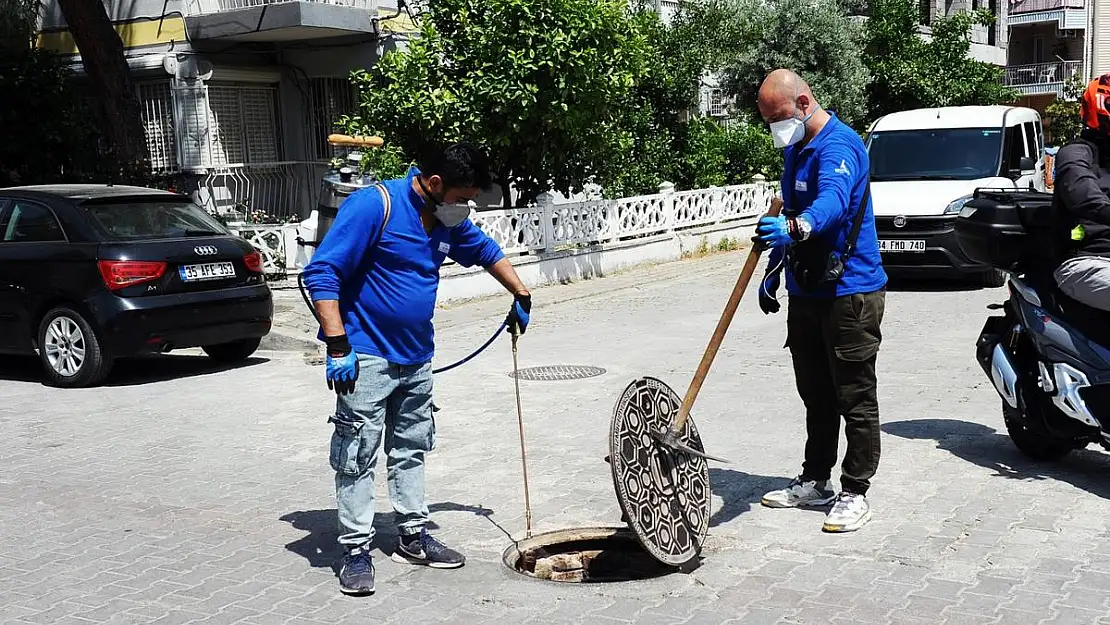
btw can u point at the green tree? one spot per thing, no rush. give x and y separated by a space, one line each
535 83
909 71
813 37
1061 116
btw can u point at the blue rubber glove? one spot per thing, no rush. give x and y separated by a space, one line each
767 289
519 314
342 365
774 231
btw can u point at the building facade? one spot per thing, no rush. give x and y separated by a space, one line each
988 43
1053 41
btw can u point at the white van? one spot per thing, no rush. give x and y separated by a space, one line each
926 163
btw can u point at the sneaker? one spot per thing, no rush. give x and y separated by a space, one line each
850 512
799 493
356 576
428 551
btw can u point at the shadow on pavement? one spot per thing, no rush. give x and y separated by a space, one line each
1085 469
740 491
130 371
319 545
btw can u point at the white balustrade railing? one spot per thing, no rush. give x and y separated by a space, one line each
549 226
207 7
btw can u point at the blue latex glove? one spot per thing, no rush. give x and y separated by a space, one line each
773 231
342 365
767 289
520 313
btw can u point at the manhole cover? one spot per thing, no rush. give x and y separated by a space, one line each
559 372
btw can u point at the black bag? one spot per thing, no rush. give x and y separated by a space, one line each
813 265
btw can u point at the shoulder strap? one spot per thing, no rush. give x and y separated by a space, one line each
387 209
857 222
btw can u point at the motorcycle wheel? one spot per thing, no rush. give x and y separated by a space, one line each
1035 445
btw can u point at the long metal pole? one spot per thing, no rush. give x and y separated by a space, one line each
523 453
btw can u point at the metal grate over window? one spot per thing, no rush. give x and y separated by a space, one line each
244 124
158 124
328 99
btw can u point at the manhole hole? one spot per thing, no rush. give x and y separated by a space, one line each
584 555
559 372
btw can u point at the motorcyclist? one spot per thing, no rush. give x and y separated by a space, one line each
1081 203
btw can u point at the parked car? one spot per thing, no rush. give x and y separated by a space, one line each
927 163
91 273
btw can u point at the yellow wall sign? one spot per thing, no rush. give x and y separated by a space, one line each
135 34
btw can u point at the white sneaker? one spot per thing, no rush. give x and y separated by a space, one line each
849 513
799 493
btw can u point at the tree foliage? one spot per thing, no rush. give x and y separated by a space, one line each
535 83
909 71
813 37
1061 116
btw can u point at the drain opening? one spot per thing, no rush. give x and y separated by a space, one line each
584 555
549 373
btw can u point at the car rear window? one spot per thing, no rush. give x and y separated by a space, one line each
125 221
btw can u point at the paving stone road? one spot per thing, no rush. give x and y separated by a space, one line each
181 493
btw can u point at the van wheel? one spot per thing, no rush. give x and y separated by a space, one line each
70 351
993 279
234 351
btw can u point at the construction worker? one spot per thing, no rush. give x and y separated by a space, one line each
373 283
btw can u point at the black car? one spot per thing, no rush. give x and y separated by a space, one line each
90 273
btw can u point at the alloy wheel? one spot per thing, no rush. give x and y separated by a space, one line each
65 346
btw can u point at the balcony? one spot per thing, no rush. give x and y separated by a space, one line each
1068 14
1041 78
279 20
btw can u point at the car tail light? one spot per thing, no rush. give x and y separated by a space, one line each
120 274
253 262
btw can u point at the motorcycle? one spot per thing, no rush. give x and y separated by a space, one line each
1046 354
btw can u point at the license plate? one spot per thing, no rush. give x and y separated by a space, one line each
901 245
207 271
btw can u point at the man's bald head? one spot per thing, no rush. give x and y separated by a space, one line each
784 93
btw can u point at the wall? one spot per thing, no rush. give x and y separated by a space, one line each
1101 34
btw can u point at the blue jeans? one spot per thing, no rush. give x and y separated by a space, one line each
396 400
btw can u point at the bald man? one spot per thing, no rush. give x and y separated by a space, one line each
825 241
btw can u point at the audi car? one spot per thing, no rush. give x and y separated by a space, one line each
93 273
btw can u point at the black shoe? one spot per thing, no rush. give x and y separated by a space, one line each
356 576
427 551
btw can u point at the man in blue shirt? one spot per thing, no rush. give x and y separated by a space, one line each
825 240
373 282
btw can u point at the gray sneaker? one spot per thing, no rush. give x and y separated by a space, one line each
799 493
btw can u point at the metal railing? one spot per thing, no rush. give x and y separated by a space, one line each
1041 73
1034 6
260 192
206 7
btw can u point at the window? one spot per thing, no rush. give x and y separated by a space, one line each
158 124
716 103
1031 148
244 124
29 222
127 221
941 154
1014 149
327 100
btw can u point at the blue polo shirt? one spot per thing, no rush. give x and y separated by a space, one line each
387 292
824 182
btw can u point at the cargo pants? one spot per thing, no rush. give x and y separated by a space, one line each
834 343
391 402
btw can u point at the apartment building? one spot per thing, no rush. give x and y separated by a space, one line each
988 43
1052 41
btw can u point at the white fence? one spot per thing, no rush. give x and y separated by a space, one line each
549 227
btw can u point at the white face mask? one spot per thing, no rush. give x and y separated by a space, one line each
789 131
451 215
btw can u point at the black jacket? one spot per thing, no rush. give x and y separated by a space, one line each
1081 196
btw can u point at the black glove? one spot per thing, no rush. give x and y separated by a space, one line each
519 314
767 289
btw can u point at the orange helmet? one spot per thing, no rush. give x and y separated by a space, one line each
1095 106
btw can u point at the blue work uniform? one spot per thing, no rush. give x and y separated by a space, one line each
387 292
824 182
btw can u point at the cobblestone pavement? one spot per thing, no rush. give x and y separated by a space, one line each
180 493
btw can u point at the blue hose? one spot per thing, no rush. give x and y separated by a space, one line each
504 325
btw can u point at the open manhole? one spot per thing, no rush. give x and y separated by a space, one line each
584 555
550 373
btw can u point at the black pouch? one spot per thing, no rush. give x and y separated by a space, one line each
811 262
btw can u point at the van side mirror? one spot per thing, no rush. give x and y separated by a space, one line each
1027 165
